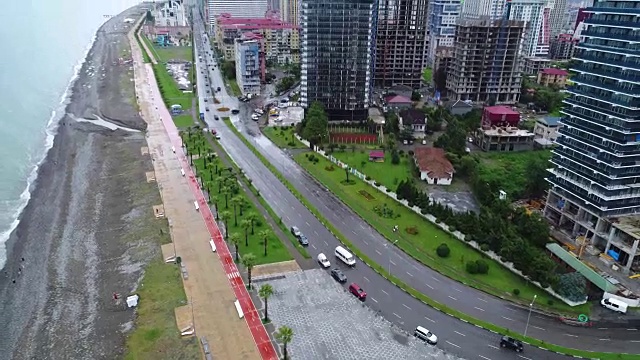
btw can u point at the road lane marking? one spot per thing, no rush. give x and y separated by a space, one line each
313 246
392 263
451 297
362 226
524 357
450 343
635 341
537 327
604 339
475 307
379 253
495 347
408 273
374 300
354 232
571 335
459 333
366 278
429 286
315 232
510 309
365 242
429 319
458 290
481 299
435 279
326 243
504 317
385 292
484 357
632 329
398 316
406 306
309 225
603 328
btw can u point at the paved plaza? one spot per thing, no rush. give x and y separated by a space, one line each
329 323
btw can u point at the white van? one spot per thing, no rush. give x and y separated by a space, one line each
615 305
345 256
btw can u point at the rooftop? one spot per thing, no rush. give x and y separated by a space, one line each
501 110
376 154
434 162
554 71
549 120
507 132
413 116
397 99
227 21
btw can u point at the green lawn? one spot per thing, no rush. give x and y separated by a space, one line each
283 137
363 198
235 89
276 251
155 335
183 121
385 173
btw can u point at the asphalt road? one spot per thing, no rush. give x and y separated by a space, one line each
394 304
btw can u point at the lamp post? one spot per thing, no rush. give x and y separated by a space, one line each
529 317
387 245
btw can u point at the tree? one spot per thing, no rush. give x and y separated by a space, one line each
284 335
285 84
226 216
229 69
214 200
572 286
316 124
346 171
454 140
265 292
236 202
249 261
245 224
391 123
536 173
415 96
226 191
264 235
235 240
252 217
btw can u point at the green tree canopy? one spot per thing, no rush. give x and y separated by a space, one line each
316 125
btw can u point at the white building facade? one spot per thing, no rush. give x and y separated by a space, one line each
536 33
237 8
170 13
483 9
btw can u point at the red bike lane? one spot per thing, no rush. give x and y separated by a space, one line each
251 315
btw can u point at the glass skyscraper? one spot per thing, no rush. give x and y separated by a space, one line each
337 57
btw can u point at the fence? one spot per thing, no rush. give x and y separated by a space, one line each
353 138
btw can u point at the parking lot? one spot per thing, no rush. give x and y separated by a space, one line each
329 323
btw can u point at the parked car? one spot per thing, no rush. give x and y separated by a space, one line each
235 111
216 117
425 335
295 231
357 291
511 343
303 240
323 261
338 275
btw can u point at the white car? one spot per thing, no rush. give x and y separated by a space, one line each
323 261
425 335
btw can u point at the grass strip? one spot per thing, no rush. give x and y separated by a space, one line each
283 137
418 295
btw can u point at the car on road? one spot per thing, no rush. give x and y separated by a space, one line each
425 335
235 111
303 240
216 117
218 89
338 275
511 343
207 108
217 136
357 291
295 231
323 261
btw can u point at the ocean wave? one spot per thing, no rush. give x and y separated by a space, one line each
51 130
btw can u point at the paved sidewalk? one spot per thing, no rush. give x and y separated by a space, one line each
208 287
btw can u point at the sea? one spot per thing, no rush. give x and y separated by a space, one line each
45 43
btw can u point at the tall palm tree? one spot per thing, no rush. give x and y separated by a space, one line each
235 240
241 204
226 216
264 235
284 335
253 217
226 191
236 202
214 200
265 292
246 225
249 261
220 181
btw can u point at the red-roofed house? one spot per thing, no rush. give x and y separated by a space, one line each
552 76
434 166
282 40
376 156
398 102
498 116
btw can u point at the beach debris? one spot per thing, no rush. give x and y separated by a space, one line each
132 301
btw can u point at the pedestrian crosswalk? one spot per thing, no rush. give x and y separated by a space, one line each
233 275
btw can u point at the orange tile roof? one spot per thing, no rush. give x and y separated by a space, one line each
434 162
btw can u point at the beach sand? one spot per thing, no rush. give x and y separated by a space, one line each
89 228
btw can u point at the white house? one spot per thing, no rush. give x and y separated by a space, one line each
414 119
434 166
547 128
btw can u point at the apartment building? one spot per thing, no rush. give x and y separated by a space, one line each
338 51
401 43
236 8
290 11
483 9
595 191
443 15
563 47
536 19
170 14
553 77
281 40
250 64
486 64
558 17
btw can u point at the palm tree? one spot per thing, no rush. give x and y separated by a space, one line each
284 335
220 181
236 202
225 216
264 235
214 200
226 191
265 292
249 261
241 204
253 217
246 225
235 240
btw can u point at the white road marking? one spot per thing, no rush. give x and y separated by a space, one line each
385 292
408 273
635 341
458 290
363 227
435 279
504 317
429 286
459 333
315 232
475 307
392 263
603 328
374 300
571 335
313 246
366 278
452 344
484 357
406 306
365 242
524 357
451 297
511 309
481 299
605 339
495 347
398 316
632 329
537 327
326 243
308 223
379 253
354 232
429 319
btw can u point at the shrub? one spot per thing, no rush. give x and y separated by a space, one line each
550 302
483 267
376 183
401 152
412 230
395 159
472 267
291 143
368 178
484 247
516 292
452 228
411 153
443 250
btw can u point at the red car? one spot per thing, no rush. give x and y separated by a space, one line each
357 291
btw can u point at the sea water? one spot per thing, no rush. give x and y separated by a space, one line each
44 43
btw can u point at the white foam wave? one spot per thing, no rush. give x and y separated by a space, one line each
50 131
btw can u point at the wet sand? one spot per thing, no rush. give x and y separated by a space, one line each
89 228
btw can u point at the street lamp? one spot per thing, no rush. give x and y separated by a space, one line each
387 245
529 317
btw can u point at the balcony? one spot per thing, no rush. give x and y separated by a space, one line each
625 115
612 36
612 10
615 88
602 60
601 142
611 49
611 74
629 24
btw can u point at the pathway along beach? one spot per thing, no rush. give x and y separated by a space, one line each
88 230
